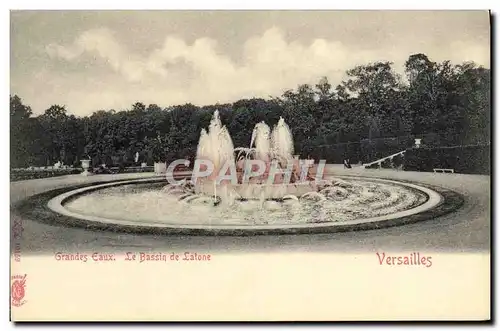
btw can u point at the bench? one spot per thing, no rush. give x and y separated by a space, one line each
444 170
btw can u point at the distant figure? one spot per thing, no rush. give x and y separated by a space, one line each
347 164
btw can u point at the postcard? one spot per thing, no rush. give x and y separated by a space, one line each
250 165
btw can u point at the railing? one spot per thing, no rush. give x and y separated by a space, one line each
379 161
132 169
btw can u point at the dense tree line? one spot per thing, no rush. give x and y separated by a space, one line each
440 101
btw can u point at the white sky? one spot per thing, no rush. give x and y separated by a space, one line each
109 60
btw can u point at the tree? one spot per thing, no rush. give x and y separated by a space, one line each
449 101
300 112
18 111
474 93
138 107
374 131
372 81
324 90
419 69
22 131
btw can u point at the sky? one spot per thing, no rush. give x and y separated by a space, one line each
93 60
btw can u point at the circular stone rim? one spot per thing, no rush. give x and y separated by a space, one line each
434 199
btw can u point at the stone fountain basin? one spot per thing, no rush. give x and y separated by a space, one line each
440 201
256 191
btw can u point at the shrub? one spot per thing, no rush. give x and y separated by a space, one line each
336 153
373 166
24 174
470 159
397 161
132 169
386 164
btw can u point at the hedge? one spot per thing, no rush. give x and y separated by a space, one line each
23 174
336 153
470 159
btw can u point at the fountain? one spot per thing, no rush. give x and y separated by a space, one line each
274 148
280 195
